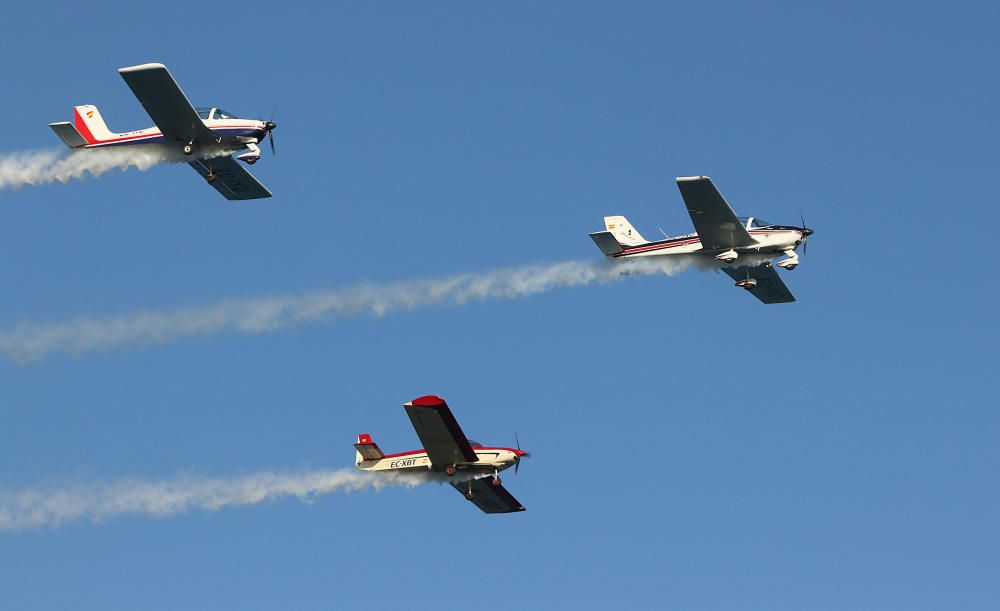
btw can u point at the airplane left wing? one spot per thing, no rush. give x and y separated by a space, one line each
770 288
231 179
489 498
439 432
716 223
165 103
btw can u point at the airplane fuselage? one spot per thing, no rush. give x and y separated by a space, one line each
774 240
233 135
490 460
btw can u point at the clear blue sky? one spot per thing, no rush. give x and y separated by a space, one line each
693 449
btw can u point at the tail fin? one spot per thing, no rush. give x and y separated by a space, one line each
366 449
623 231
88 122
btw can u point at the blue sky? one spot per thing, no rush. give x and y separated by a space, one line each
692 447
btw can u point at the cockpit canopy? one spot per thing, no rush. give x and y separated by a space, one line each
207 112
752 221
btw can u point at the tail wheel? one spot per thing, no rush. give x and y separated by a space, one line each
450 470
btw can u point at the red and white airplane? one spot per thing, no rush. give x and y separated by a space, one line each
721 235
447 450
208 135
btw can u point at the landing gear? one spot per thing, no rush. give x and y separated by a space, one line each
496 481
791 262
188 148
252 155
727 257
211 177
450 470
749 284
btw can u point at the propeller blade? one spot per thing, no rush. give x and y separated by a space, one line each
270 137
517 464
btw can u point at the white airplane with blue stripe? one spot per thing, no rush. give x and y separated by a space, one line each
719 235
209 136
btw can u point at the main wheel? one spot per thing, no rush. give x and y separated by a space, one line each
450 470
496 481
188 149
470 495
251 160
211 178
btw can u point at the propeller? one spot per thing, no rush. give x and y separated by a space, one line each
517 458
269 126
805 233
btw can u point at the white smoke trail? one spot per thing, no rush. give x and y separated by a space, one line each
28 342
43 167
51 507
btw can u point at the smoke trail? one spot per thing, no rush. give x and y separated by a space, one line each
28 342
39 508
43 167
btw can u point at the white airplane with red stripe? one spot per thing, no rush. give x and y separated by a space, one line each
447 450
208 136
719 235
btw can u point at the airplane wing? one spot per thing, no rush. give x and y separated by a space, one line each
490 498
232 180
166 104
439 432
770 288
713 219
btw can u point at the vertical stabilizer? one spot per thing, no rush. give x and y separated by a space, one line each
88 122
623 231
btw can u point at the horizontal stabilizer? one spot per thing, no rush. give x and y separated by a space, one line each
68 133
606 242
367 449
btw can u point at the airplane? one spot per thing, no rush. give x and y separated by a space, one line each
447 450
719 235
209 136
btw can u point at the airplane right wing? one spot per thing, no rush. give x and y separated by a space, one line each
165 103
439 432
231 179
716 223
489 498
770 288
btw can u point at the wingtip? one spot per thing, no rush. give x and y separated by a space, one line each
427 401
151 66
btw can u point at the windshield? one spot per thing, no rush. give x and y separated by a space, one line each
761 223
203 111
223 114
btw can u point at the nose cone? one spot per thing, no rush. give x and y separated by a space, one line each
806 232
519 453
269 125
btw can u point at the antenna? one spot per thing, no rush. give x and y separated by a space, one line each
663 232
